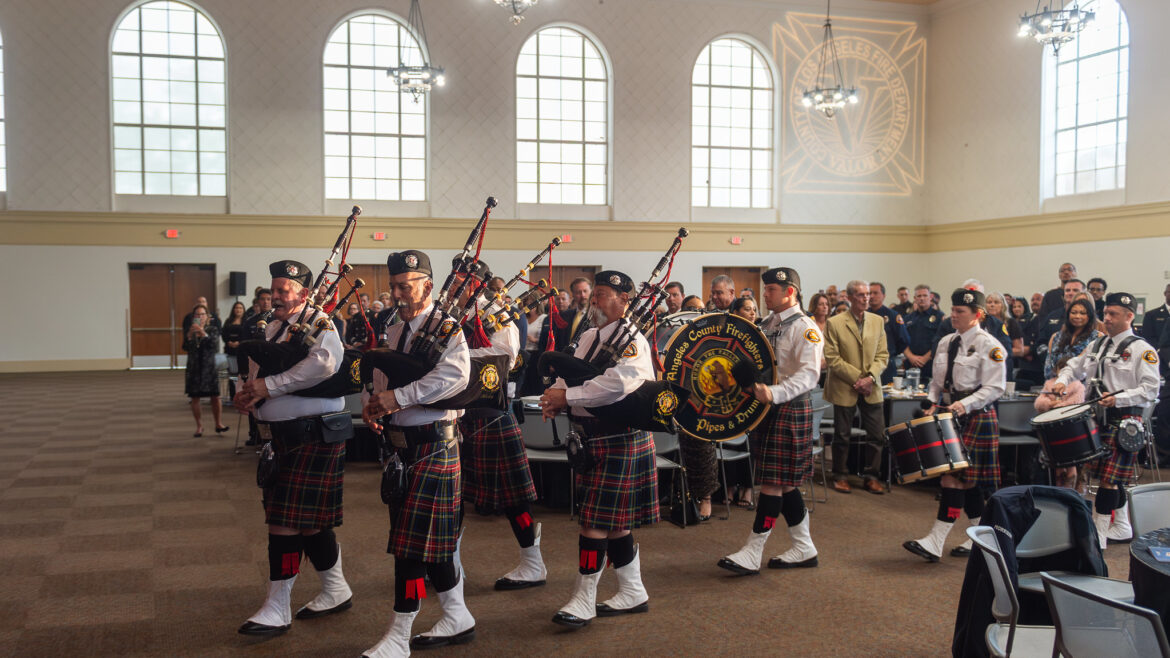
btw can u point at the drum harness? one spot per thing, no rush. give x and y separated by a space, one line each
774 335
949 394
1130 434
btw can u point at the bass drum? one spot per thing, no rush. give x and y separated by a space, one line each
709 357
671 324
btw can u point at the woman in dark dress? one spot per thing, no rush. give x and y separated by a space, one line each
233 333
202 343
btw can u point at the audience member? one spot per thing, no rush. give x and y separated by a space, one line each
745 307
1050 323
840 307
233 333
201 342
264 308
1155 319
1097 288
722 292
897 339
833 296
1054 299
1035 302
747 292
675 293
922 325
693 303
199 301
935 300
997 308
904 302
357 333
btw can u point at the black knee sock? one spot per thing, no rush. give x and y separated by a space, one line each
520 518
792 505
1121 499
621 551
443 575
951 504
973 503
1106 500
322 549
592 555
284 556
766 512
409 586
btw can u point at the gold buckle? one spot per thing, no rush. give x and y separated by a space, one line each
397 439
265 431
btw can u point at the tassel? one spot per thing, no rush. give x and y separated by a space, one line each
479 337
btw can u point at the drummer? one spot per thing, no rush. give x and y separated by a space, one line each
968 377
1124 367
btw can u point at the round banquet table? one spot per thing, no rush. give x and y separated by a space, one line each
1151 578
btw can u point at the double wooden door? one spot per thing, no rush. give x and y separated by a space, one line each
161 295
744 277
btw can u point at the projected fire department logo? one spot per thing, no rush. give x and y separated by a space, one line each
874 146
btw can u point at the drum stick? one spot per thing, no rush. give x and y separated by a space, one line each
1053 393
1101 397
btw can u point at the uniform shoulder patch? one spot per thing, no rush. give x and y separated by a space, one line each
1150 356
898 319
996 354
631 351
812 336
1003 328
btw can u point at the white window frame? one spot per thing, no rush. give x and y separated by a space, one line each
380 207
1051 201
562 210
768 213
145 202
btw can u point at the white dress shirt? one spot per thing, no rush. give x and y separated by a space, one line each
978 365
799 348
323 360
633 369
1133 373
447 379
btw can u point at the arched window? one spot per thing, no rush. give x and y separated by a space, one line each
731 127
562 119
169 102
375 135
1086 105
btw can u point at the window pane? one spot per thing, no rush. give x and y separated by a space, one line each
366 115
561 119
158 82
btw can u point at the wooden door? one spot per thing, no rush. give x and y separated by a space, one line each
563 275
160 296
744 277
377 279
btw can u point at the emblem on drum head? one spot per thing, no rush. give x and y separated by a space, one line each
1150 356
411 261
291 269
996 354
702 358
489 377
812 336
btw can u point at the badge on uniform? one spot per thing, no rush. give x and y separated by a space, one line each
812 336
898 319
1125 356
1150 356
996 355
631 351
933 318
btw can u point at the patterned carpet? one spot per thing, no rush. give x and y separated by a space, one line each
123 535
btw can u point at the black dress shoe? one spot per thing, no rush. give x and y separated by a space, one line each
777 563
252 628
570 621
306 613
735 567
508 584
435 641
221 430
960 551
914 547
604 610
197 434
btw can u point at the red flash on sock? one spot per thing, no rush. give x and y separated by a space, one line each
588 559
769 522
416 589
290 564
953 513
524 520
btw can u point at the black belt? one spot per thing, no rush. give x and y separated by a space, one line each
800 398
291 434
418 435
1113 415
586 426
483 413
955 396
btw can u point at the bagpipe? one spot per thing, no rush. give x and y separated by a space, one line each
652 406
262 358
498 313
439 326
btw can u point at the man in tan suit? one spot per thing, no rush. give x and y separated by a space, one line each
855 349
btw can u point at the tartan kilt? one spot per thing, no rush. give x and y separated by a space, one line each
1118 467
980 434
495 465
307 492
426 525
782 445
621 492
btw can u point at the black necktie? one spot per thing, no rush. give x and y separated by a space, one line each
402 337
952 352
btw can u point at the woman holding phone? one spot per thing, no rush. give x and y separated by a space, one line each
201 343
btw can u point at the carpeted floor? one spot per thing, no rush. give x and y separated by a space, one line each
121 534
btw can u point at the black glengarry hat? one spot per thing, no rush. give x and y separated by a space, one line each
619 281
1122 299
970 298
291 270
782 276
411 260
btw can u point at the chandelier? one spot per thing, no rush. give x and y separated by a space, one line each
518 7
1055 27
417 79
824 98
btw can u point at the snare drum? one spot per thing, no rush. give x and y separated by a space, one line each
927 447
1068 435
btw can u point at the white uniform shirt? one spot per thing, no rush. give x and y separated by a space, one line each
506 341
323 360
447 379
1135 376
978 365
799 349
633 369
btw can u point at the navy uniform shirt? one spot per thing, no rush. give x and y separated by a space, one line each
1153 323
897 338
922 326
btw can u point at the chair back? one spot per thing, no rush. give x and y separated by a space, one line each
1091 625
1015 416
1050 534
817 417
1006 605
1149 507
